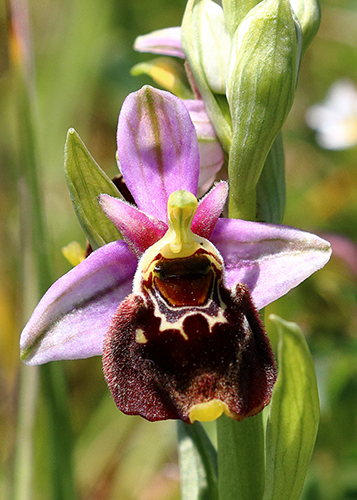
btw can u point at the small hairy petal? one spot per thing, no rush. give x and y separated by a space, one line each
209 209
71 319
139 230
157 149
268 258
166 42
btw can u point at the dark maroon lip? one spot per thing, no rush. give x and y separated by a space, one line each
185 340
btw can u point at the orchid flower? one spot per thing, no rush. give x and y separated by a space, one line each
173 306
335 120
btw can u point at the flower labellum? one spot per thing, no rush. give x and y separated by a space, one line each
182 345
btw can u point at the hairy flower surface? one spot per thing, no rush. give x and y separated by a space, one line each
172 304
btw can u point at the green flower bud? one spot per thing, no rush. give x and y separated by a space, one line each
206 44
235 11
86 181
213 43
260 90
309 14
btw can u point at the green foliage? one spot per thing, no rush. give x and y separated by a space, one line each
261 83
198 463
294 416
86 181
271 189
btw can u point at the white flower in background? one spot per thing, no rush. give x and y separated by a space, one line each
335 119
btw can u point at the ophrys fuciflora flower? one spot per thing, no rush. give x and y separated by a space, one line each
172 301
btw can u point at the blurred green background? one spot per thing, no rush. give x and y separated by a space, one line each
83 55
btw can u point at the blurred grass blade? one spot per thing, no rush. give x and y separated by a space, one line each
241 458
86 181
54 386
24 456
294 416
35 232
198 463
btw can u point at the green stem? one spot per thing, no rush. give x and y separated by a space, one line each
241 460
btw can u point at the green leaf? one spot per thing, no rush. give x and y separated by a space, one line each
198 463
241 458
294 416
260 91
86 181
271 185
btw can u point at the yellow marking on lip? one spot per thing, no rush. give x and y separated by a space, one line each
140 337
209 410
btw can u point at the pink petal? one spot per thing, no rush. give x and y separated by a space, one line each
209 209
166 42
73 316
269 259
139 230
157 149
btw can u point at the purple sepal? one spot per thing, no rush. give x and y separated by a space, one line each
157 149
270 259
73 316
211 153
